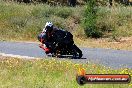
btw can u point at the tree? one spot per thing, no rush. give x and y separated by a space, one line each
110 2
72 2
90 19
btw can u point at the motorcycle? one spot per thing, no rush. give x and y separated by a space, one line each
62 49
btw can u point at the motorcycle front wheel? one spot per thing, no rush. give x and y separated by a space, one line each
77 53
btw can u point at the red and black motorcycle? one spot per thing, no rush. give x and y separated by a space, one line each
62 45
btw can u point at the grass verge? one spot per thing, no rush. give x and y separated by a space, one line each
125 43
51 73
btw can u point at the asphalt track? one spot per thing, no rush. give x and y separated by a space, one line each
108 57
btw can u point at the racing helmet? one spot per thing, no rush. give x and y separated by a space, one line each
48 26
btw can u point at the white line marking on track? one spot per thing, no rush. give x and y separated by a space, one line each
16 56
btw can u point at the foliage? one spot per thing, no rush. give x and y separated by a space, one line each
25 22
90 19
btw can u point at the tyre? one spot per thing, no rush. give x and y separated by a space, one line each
77 52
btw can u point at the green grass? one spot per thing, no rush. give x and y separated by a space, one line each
115 21
51 73
21 21
25 21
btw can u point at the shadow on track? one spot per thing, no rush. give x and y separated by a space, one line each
69 57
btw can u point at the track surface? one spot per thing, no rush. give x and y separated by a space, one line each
107 57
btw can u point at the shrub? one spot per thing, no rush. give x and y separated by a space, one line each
90 19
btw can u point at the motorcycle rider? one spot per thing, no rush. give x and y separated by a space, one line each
44 36
53 38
